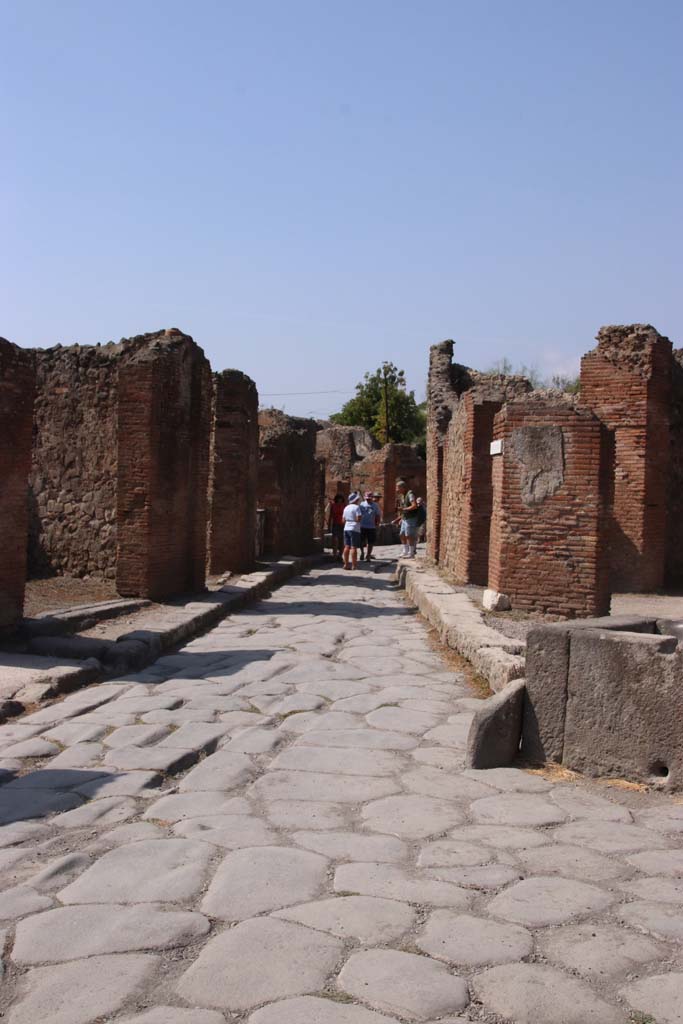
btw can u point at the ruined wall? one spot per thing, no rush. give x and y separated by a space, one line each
547 549
286 481
445 383
163 466
342 448
674 535
626 382
17 382
320 497
233 474
379 471
73 467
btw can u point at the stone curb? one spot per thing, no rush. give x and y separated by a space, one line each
133 651
460 625
72 619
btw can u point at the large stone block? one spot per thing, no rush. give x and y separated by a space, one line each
493 739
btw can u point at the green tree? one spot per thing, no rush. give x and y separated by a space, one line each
383 405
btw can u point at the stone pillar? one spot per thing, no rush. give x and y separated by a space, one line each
17 384
233 474
442 399
548 527
163 454
286 482
626 382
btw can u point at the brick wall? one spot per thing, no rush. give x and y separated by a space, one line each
17 382
547 548
444 386
674 536
626 382
286 481
73 466
342 448
233 474
379 471
163 454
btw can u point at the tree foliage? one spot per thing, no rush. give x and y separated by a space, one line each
384 406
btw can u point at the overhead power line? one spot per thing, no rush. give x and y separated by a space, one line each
289 394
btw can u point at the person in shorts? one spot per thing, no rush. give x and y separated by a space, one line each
351 516
408 518
370 517
421 518
335 524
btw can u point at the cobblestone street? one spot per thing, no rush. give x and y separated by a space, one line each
275 825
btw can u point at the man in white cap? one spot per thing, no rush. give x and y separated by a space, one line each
370 518
352 535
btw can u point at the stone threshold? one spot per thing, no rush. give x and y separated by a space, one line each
27 680
461 624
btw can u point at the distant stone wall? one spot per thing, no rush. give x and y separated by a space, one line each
380 470
233 473
342 448
286 481
548 549
626 382
17 383
73 468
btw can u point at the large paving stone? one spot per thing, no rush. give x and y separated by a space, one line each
580 804
80 992
367 739
654 918
570 861
53 779
502 837
109 811
313 1010
230 831
659 997
520 809
178 806
667 818
251 881
124 834
255 740
121 784
403 983
80 755
389 881
21 900
529 994
59 872
306 814
510 780
351 846
68 933
440 757
609 836
658 862
21 804
69 733
488 876
661 890
159 759
34 747
446 784
225 770
452 735
175 1015
473 941
449 853
259 961
150 871
538 902
411 817
364 918
20 832
137 705
598 950
336 761
402 720
354 789
136 735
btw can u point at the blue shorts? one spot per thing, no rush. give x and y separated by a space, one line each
409 528
352 538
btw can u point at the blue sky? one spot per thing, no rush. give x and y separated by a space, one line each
309 188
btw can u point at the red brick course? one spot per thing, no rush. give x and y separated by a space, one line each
17 384
287 482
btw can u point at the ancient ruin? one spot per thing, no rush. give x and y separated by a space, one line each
286 482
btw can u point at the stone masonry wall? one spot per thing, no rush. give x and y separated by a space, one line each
674 538
286 481
445 384
17 383
73 469
342 448
163 463
548 527
233 474
379 471
626 382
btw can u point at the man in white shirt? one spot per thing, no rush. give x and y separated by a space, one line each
370 518
352 535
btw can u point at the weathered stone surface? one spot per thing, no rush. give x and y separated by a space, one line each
659 862
411 817
662 890
388 881
159 759
81 992
108 811
667 819
354 789
598 950
111 784
35 803
495 734
135 735
175 1015
451 853
654 918
402 983
368 919
517 809
68 933
178 806
609 837
309 814
21 900
580 804
529 993
251 881
570 861
660 997
367 739
473 941
490 876
336 761
313 1010
435 782
510 780
156 870
350 846
59 872
259 961
538 902
231 831
225 770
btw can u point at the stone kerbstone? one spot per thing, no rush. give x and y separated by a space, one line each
259 961
313 1010
80 992
473 941
150 871
598 950
660 996
388 881
69 933
529 993
411 817
403 983
364 918
494 737
538 902
253 880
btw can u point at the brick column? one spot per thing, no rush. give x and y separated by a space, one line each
233 474
547 549
17 386
163 448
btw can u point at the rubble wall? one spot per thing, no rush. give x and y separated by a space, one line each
286 482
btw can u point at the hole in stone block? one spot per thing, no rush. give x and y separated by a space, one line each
659 772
